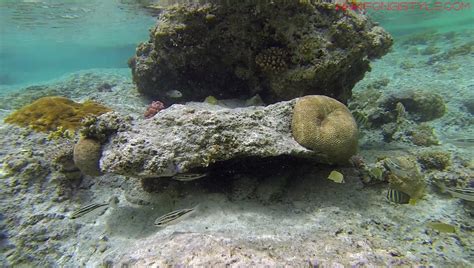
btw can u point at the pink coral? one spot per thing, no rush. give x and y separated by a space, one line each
153 109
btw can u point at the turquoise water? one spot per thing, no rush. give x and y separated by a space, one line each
42 40
295 216
405 22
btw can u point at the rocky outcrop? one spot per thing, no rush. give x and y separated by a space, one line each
193 137
282 50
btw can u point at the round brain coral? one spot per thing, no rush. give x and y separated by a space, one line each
326 126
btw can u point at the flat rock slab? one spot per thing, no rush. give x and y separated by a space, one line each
190 138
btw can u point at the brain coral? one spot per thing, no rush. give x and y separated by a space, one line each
325 125
50 113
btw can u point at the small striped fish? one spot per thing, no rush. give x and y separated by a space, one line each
397 197
84 210
401 111
174 217
463 193
89 208
361 119
188 176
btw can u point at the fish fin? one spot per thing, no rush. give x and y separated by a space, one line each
412 201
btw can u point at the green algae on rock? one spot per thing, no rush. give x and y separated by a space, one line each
280 51
325 125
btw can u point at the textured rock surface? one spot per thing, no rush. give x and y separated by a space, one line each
185 137
282 50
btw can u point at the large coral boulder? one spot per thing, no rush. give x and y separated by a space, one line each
281 50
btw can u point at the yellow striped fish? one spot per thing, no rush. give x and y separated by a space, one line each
398 197
174 216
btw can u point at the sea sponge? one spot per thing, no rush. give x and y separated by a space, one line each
326 126
87 153
50 113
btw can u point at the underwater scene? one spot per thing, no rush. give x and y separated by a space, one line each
251 133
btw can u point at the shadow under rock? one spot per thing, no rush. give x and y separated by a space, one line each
132 222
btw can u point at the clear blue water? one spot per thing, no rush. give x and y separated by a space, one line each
42 40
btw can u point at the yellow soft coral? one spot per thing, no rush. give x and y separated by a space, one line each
51 113
325 126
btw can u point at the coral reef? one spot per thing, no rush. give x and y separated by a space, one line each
272 60
325 126
421 106
26 169
51 113
438 160
404 175
100 130
280 51
422 135
86 157
153 109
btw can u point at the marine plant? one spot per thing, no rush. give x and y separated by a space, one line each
50 113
